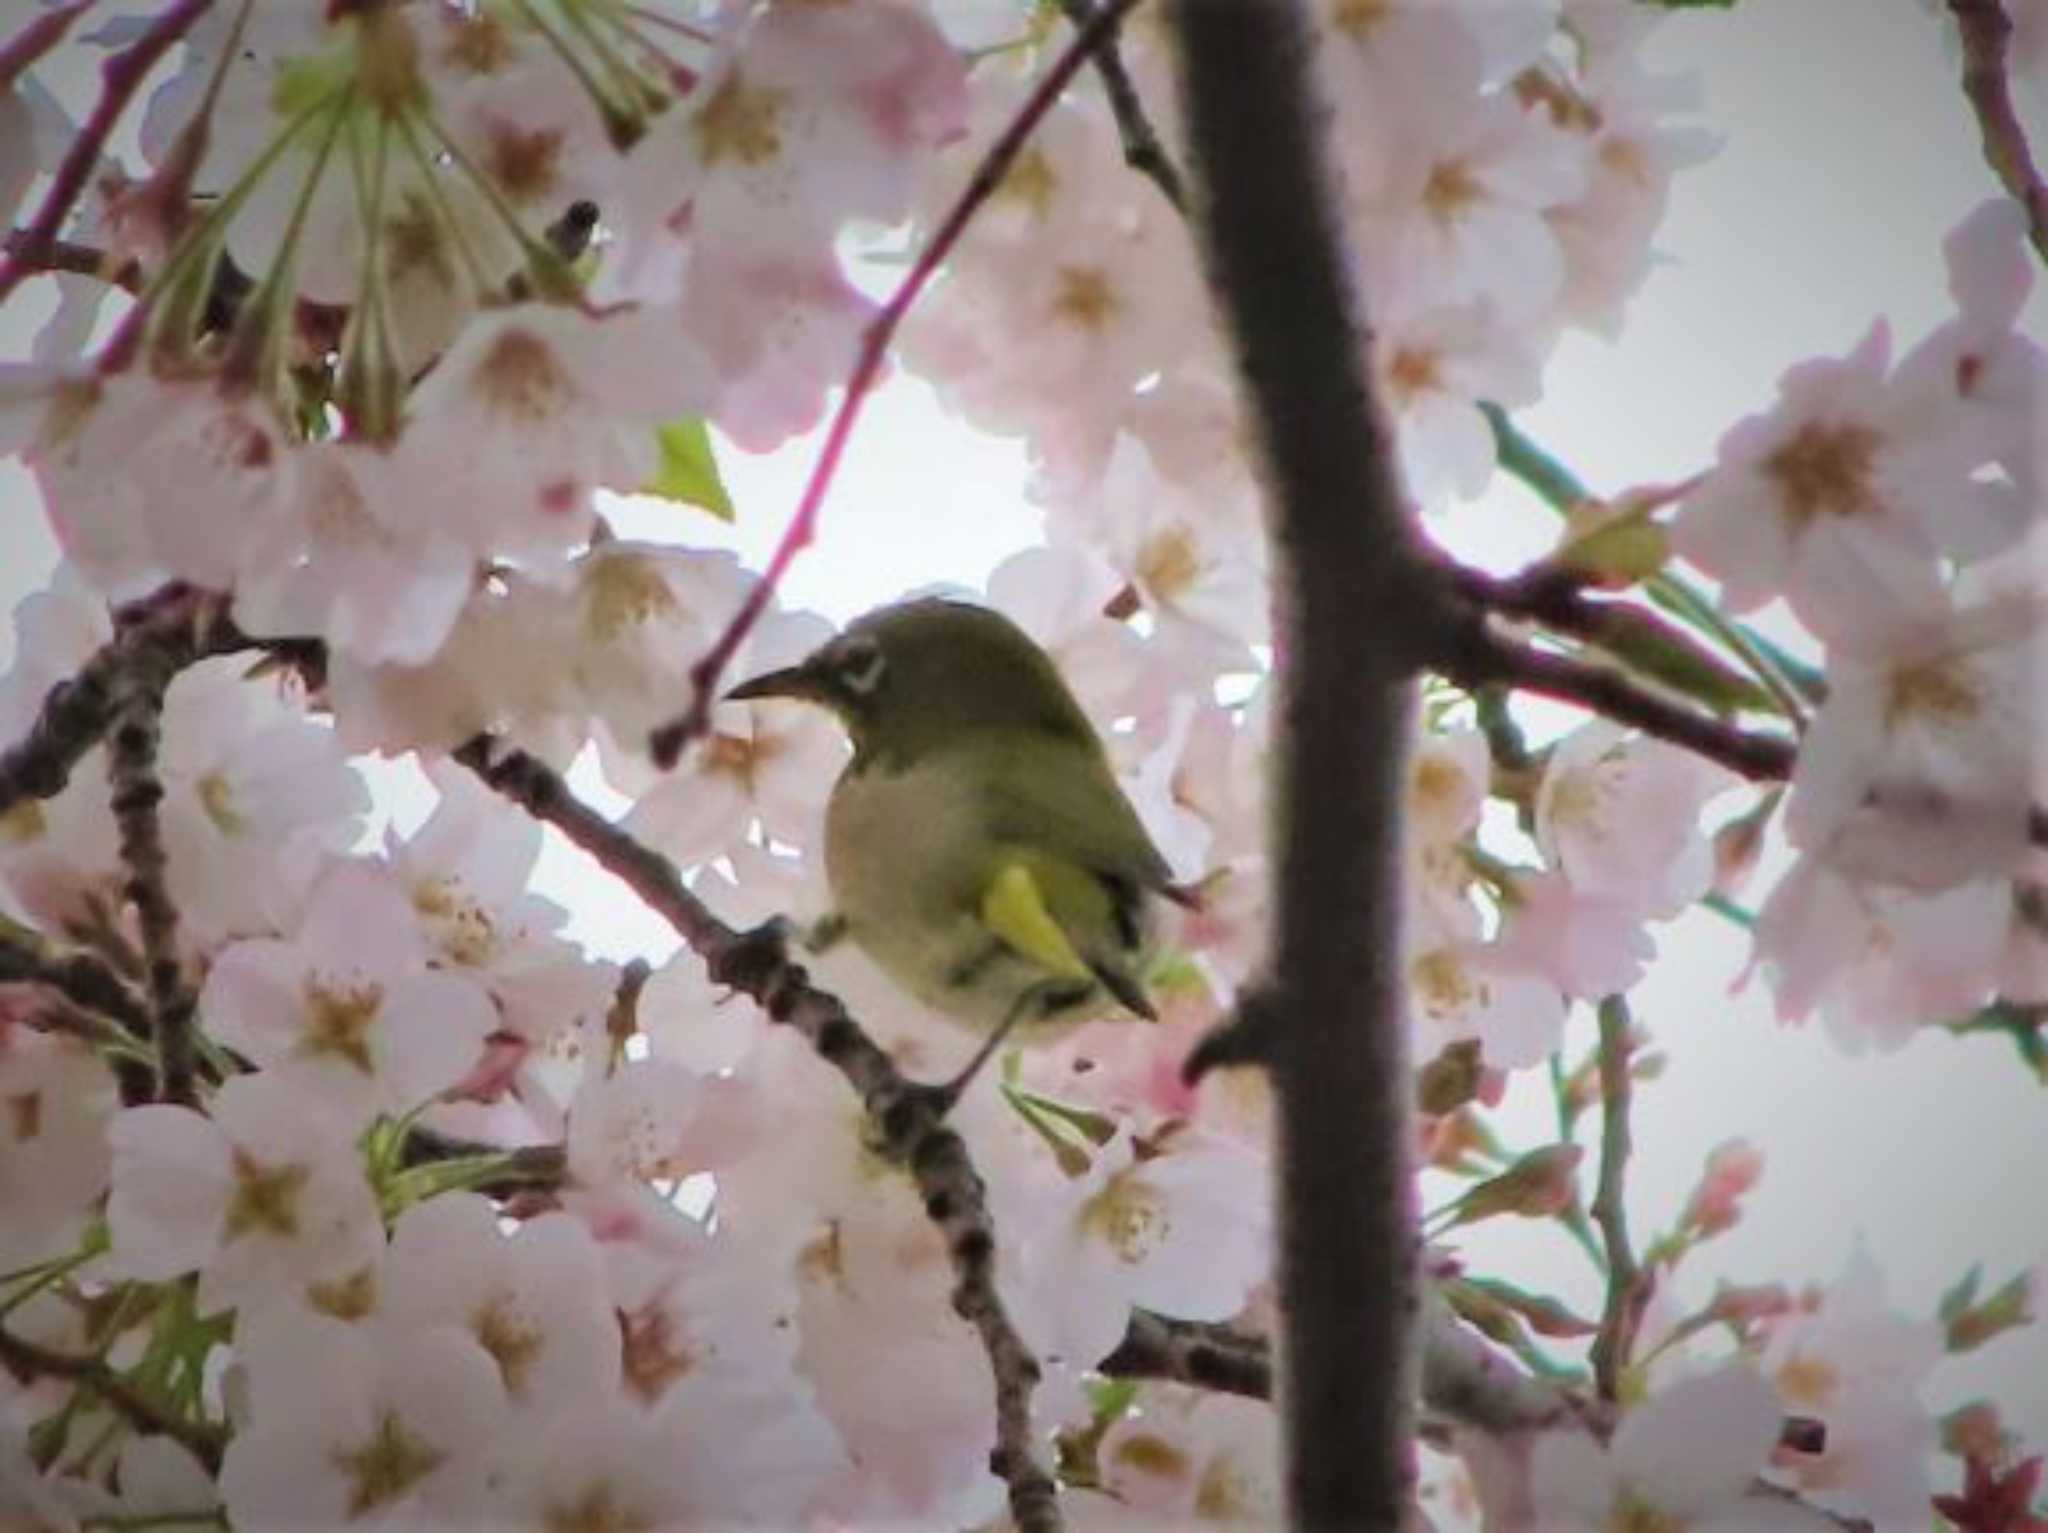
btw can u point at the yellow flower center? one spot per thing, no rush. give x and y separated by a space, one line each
265 1199
741 123
1085 298
337 1022
388 1465
1824 470
520 380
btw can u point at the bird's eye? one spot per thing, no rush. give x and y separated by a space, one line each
861 666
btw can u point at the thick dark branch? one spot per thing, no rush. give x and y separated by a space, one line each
27 1361
906 1118
1626 1291
1143 150
26 958
1986 31
138 704
171 630
1207 1356
120 77
1355 625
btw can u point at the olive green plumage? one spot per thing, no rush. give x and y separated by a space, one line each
977 845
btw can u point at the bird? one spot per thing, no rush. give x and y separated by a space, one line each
977 845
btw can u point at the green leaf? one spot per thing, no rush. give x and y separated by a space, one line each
688 470
1970 1326
1543 1314
1960 1297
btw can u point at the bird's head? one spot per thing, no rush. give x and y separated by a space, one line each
920 675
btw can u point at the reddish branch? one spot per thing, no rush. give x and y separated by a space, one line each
1986 34
42 34
906 1117
668 742
120 77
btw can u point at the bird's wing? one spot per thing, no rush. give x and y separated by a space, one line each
1060 796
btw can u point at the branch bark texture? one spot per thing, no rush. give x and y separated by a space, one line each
1353 629
906 1117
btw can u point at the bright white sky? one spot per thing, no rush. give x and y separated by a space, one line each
1848 155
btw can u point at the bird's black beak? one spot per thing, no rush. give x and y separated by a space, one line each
798 681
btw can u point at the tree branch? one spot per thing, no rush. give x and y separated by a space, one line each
26 1360
1336 1041
166 632
667 743
1478 656
1986 30
137 707
911 1132
76 259
120 77
1627 1292
1143 151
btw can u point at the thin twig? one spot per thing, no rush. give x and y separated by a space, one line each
1143 150
1479 657
667 743
906 1118
77 259
137 793
26 1360
1335 1043
120 77
1986 31
43 33
1627 1291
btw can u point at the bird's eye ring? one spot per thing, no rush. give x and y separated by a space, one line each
860 666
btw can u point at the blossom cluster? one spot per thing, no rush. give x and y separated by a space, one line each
566 1243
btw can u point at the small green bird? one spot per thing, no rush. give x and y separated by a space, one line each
977 845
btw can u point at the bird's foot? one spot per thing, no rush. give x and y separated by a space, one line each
754 956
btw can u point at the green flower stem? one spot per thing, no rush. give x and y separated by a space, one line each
1778 673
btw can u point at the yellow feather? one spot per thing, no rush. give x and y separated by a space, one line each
1014 909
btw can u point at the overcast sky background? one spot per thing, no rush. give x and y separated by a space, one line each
1848 155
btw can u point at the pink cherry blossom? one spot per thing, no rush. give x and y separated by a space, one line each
371 1425
55 1101
1830 499
1687 1456
263 1198
534 1300
349 1005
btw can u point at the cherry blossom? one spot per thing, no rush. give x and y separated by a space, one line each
1919 767
1619 815
406 1425
349 1005
1687 1456
533 1300
1847 1357
263 1196
57 1099
1133 1224
1830 499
